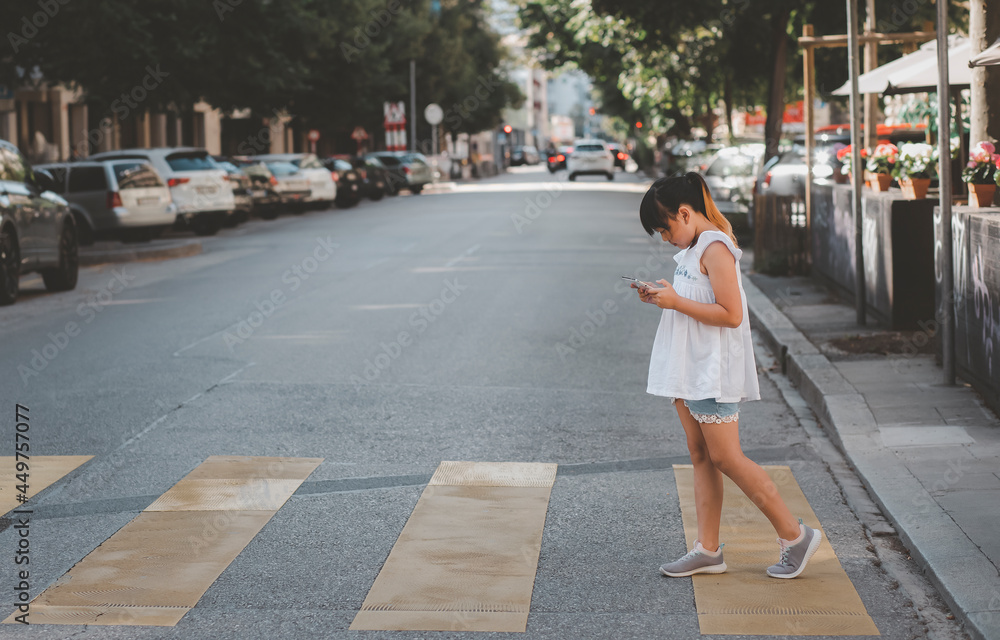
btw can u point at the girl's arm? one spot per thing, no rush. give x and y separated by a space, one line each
727 311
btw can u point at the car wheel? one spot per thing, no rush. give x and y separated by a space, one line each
572 177
63 277
206 226
270 213
611 176
377 195
416 189
10 266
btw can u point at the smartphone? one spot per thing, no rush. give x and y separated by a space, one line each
638 283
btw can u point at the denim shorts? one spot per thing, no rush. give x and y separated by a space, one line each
713 412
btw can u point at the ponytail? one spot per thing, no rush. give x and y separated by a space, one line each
712 212
666 195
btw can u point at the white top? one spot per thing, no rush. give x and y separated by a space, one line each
695 361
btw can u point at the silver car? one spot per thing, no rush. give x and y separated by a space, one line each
291 185
120 199
322 186
411 168
37 230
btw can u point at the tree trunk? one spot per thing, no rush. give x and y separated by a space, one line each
776 95
727 102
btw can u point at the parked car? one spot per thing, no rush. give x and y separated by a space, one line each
590 157
349 183
556 159
197 185
523 154
322 185
291 185
37 228
264 187
117 199
730 176
619 154
411 170
242 187
372 172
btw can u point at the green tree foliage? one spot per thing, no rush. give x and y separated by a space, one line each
329 64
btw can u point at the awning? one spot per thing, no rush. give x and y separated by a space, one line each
989 56
916 72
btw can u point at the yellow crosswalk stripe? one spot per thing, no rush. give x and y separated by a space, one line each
42 471
744 600
157 567
466 558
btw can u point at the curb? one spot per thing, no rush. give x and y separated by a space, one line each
127 253
960 571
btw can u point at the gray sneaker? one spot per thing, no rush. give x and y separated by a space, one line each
795 556
695 561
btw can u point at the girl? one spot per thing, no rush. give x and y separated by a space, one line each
703 359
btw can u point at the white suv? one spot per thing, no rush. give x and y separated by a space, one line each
198 186
591 157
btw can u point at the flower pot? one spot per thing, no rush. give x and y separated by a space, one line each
915 188
981 195
879 181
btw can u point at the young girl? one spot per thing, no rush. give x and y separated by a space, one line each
703 360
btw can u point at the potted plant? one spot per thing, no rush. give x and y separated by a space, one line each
881 165
844 157
980 174
916 167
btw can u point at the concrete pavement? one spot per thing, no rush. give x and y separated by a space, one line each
928 454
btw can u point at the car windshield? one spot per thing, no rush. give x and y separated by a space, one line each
731 165
282 168
191 162
589 147
389 161
136 175
342 165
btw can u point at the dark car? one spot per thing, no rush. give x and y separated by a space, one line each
556 159
37 229
372 174
523 154
263 187
620 154
398 172
348 179
242 187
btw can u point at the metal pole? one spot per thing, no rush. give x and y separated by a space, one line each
947 310
860 290
808 116
413 105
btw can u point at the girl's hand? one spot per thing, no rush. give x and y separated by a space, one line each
663 297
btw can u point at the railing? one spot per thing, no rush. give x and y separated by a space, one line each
781 240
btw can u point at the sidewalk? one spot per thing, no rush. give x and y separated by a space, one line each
107 251
928 454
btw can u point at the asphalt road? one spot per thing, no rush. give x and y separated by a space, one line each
485 323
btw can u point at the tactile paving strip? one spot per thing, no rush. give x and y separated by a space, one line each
156 568
42 472
466 559
744 600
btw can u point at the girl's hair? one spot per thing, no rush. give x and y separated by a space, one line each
665 197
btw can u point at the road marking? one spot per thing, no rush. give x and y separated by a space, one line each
42 472
744 600
465 254
466 559
156 568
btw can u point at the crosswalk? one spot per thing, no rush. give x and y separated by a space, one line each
466 559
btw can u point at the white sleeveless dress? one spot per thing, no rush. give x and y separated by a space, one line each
696 361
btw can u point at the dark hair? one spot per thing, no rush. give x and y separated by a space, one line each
666 196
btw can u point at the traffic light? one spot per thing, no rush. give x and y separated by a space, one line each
593 111
638 125
507 128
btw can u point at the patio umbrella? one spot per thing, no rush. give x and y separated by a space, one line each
989 56
916 72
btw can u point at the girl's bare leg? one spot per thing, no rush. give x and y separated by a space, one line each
723 443
707 480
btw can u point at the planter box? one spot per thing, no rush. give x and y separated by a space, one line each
898 247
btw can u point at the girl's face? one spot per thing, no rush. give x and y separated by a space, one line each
679 231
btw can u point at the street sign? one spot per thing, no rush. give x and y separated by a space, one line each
313 135
359 134
433 114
